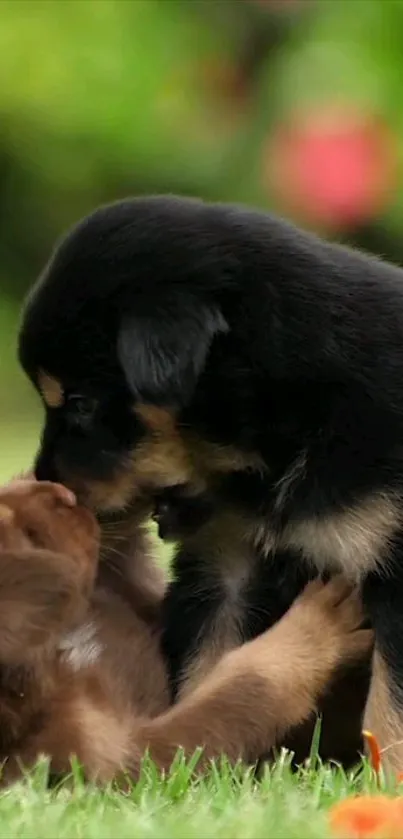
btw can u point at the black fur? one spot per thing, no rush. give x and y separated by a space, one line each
261 337
198 592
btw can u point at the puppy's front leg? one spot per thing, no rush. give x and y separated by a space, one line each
384 711
258 692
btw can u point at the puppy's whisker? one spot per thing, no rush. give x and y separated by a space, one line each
106 552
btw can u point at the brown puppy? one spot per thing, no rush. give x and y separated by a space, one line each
81 671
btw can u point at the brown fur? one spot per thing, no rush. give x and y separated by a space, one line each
258 692
349 542
81 669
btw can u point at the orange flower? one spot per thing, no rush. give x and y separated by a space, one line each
368 817
374 750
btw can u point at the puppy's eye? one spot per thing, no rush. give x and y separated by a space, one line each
82 408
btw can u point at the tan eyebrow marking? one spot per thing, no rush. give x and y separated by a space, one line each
51 390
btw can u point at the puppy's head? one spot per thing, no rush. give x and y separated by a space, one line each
116 336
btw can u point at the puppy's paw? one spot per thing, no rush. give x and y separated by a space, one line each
45 516
41 516
27 487
57 524
329 617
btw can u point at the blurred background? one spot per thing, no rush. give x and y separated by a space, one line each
293 105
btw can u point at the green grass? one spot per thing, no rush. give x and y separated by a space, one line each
225 803
18 442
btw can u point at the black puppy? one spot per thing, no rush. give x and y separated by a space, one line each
256 369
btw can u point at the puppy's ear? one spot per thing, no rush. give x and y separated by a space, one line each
164 351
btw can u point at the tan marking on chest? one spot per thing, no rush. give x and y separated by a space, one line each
51 390
353 541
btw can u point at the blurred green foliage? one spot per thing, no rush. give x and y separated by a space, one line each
104 98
